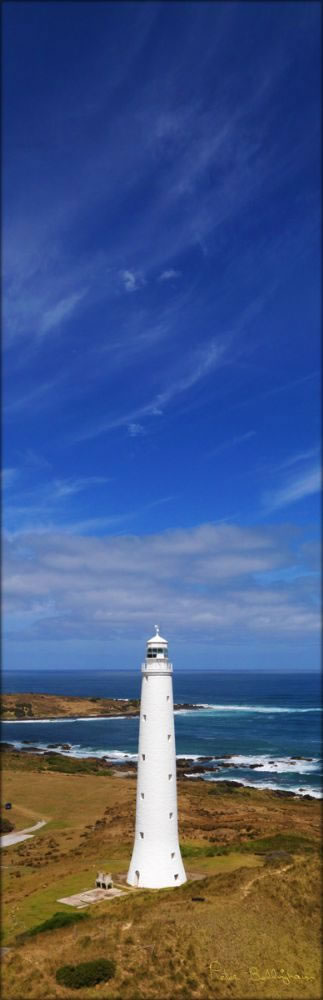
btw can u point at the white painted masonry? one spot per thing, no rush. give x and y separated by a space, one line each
156 861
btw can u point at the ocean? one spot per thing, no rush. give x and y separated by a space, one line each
265 719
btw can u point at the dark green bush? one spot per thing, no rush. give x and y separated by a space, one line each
58 919
5 825
86 973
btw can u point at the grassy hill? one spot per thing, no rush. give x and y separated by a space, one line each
249 910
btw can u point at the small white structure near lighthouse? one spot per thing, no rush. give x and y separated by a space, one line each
156 861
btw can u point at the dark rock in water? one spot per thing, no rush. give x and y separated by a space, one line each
26 741
64 746
197 770
53 746
7 746
311 797
252 766
186 705
30 749
205 758
301 758
226 764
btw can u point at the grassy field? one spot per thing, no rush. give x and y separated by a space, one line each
251 857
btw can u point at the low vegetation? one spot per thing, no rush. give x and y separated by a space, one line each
251 903
86 973
5 825
49 706
60 919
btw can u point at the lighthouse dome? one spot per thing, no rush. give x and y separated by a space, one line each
157 639
157 647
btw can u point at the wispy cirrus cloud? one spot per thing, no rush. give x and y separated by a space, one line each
193 370
231 443
40 515
69 487
48 501
295 488
299 456
62 310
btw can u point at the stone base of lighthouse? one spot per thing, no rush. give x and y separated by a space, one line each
156 861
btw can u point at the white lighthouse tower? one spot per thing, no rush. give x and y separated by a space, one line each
156 861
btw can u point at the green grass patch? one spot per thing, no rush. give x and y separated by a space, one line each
86 973
68 765
290 842
59 919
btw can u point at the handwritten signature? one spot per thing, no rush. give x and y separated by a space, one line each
257 975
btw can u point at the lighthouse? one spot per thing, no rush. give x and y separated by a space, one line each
156 861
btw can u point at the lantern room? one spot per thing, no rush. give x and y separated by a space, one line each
157 647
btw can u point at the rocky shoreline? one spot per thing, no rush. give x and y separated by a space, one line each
186 767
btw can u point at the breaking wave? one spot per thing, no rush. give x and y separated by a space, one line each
250 708
309 790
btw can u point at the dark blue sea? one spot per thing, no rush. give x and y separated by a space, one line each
258 718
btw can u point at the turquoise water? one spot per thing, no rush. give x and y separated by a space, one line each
264 719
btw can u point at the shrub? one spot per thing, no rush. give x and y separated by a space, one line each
58 919
289 842
86 973
5 825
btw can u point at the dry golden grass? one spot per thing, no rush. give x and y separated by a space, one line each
255 917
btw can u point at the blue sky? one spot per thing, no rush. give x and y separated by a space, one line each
161 193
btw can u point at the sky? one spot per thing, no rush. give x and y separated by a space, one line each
161 312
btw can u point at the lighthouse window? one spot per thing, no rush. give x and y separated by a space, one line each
173 854
171 815
143 756
142 836
168 737
142 795
170 777
176 877
145 718
167 698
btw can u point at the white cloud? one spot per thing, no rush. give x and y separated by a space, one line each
201 582
132 280
168 275
294 489
135 430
